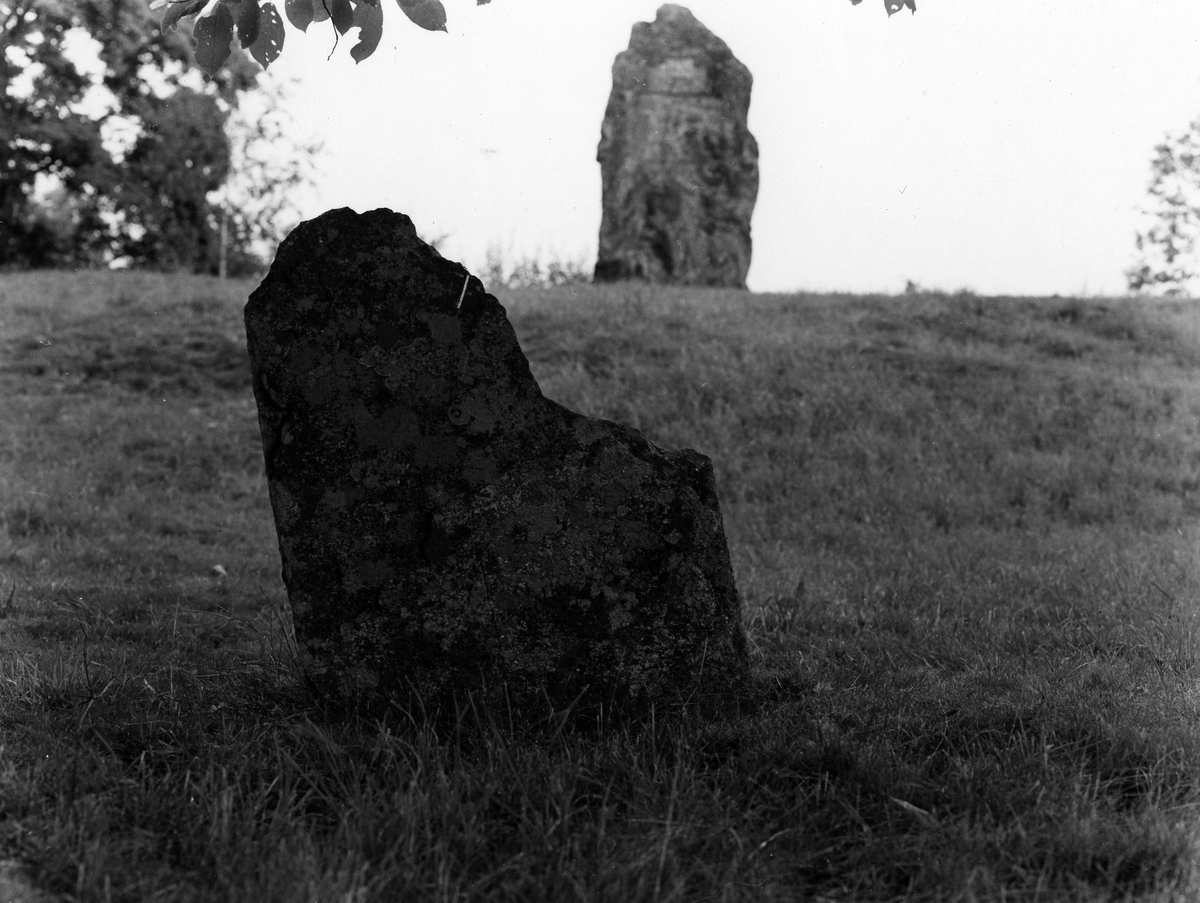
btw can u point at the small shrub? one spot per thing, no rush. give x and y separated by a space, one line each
531 272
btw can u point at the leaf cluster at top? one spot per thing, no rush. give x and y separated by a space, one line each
258 27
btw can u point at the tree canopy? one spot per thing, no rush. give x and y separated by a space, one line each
52 134
1167 247
257 27
113 148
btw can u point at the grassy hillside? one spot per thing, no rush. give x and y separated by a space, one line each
966 532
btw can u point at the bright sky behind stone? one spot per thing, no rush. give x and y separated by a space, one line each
1001 147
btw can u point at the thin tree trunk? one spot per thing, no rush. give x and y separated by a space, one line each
224 239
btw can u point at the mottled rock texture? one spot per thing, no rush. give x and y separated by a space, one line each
678 165
445 527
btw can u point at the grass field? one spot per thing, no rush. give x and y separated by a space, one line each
966 532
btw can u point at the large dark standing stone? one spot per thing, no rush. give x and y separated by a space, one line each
444 526
678 166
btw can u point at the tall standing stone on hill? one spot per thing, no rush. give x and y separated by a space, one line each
445 527
678 165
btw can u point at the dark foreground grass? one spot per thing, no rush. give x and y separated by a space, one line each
966 532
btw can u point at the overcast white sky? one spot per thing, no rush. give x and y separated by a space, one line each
1002 147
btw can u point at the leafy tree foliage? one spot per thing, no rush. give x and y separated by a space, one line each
259 202
180 157
49 137
257 27
1166 249
39 132
70 191
894 6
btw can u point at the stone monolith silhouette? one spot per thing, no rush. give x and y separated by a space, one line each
679 167
443 526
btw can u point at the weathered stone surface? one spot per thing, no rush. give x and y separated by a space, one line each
678 165
443 526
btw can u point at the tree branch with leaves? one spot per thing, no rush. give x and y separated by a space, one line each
257 27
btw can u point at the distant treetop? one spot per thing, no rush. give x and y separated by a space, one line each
258 27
